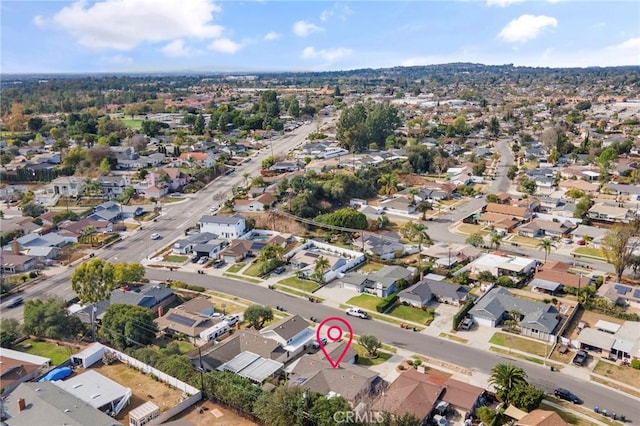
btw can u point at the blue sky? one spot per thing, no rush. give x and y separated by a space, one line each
205 35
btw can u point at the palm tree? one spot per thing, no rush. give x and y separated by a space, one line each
421 236
546 245
389 183
408 230
496 240
413 192
322 264
245 178
505 378
514 318
88 231
423 207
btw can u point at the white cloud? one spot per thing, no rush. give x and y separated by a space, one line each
124 24
340 11
304 28
224 45
526 27
329 55
502 3
39 21
176 49
117 59
271 36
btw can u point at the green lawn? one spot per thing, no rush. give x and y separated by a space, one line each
525 241
235 267
365 301
134 124
518 343
370 267
468 229
175 259
589 251
516 355
253 270
57 354
363 356
410 313
304 285
297 293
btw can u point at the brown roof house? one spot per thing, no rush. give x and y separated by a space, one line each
237 251
18 367
354 383
254 205
411 393
546 228
463 396
541 418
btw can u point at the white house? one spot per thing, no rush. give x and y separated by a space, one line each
293 333
227 227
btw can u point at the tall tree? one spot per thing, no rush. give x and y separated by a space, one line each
494 126
618 246
322 264
546 245
370 343
50 318
127 273
389 183
496 240
505 377
258 315
128 325
93 282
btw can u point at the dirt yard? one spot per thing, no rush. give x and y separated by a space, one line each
143 388
591 318
282 224
211 414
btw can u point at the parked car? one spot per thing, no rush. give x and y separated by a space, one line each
218 315
195 259
155 236
581 242
15 302
566 395
279 270
219 263
203 260
316 344
580 358
232 319
467 323
356 312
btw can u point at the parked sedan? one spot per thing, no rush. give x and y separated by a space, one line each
566 395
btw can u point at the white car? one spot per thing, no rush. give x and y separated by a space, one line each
356 312
232 319
155 236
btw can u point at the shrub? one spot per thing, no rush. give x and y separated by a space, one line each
387 302
635 363
417 363
459 316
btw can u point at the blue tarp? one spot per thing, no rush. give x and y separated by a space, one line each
57 374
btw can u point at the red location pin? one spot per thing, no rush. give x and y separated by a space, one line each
334 334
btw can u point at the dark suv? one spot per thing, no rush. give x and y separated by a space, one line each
566 395
580 358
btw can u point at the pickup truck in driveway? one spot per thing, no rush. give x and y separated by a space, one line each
580 358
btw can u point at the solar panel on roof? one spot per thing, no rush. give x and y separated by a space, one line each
314 255
621 289
299 381
188 322
636 294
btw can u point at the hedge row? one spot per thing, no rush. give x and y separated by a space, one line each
386 303
459 316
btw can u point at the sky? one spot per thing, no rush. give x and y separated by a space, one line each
262 35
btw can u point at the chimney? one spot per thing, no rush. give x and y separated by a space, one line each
160 311
21 404
15 248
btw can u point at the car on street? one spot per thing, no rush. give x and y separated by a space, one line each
15 302
562 393
155 236
232 319
580 358
316 344
356 312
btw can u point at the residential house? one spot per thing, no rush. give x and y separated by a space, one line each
292 333
448 255
186 245
538 321
620 294
237 251
501 264
399 205
227 227
68 186
17 367
522 213
435 191
463 397
257 204
198 306
47 403
108 211
609 213
386 247
321 166
46 246
200 159
287 166
595 235
75 229
580 172
554 280
622 189
546 228
177 321
410 393
422 292
210 248
354 383
541 418
215 354
588 188
12 263
112 186
253 367
613 341
381 283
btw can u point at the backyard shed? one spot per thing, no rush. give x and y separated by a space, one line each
89 355
143 414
